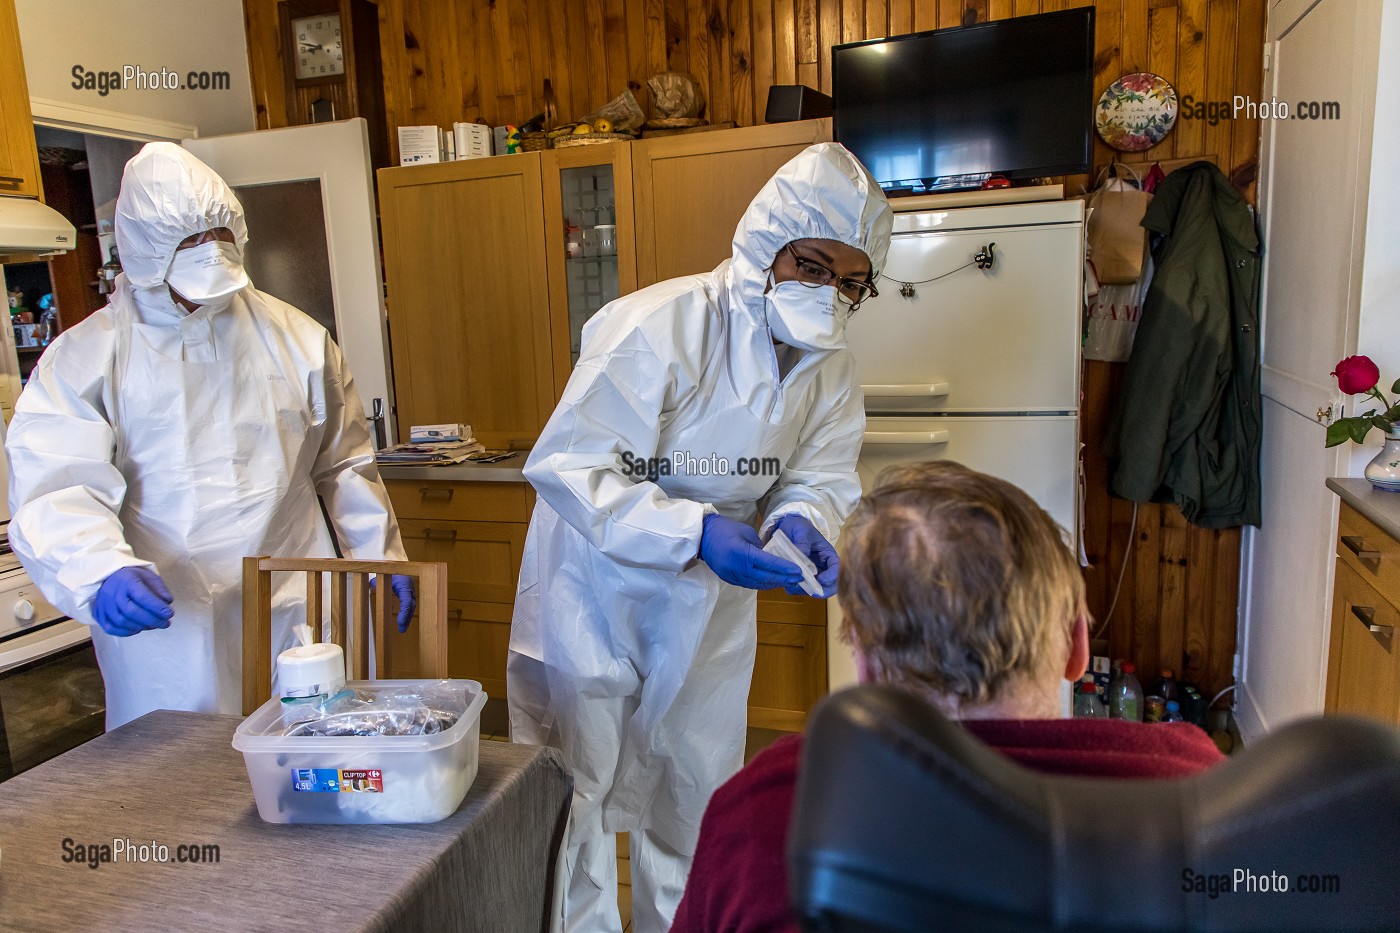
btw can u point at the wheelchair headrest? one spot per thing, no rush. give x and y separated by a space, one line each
905 821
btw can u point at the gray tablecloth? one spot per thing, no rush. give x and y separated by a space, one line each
173 778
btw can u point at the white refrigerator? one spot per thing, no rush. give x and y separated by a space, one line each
973 361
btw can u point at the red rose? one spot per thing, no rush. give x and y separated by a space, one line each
1357 374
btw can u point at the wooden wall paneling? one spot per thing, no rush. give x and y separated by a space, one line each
1220 75
807 27
828 34
677 49
1249 81
950 13
877 20
740 55
901 18
263 28
1196 621
853 24
1162 24
1171 599
761 61
787 48
599 51
1192 19
926 14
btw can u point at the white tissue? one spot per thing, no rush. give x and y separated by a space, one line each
780 545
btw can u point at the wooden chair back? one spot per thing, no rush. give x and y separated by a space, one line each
357 615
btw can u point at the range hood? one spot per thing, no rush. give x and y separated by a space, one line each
32 229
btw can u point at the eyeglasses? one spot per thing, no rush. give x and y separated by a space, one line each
814 274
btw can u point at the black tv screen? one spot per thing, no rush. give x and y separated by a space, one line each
1012 97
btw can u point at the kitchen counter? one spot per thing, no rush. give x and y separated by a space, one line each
1383 508
502 471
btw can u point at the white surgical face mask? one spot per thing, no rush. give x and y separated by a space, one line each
806 317
207 272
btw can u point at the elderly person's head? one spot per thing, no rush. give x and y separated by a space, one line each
957 585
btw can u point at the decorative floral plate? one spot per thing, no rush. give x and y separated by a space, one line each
1136 112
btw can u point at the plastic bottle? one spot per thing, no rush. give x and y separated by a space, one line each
1086 703
1166 687
1126 700
1173 712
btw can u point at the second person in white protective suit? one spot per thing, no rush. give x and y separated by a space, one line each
634 632
190 423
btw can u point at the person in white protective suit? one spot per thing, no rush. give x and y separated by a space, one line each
634 632
191 422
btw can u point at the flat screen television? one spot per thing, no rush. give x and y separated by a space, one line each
1012 97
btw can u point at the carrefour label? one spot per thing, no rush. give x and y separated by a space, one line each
339 780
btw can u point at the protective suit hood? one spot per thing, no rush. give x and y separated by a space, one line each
824 193
166 195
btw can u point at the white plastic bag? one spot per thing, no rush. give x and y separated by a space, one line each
1113 314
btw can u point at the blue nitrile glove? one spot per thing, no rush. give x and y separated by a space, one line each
735 553
809 541
132 600
408 598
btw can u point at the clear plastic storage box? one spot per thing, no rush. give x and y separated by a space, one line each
363 778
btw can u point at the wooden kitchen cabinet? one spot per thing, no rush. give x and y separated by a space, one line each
468 302
691 190
790 665
478 530
585 188
19 155
1363 673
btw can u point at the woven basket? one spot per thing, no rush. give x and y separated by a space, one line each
589 139
533 142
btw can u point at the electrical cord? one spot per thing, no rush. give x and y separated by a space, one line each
1122 569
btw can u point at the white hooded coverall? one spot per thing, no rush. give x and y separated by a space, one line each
149 437
627 652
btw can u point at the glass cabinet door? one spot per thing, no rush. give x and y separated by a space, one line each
589 240
590 244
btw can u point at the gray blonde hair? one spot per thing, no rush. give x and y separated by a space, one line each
955 583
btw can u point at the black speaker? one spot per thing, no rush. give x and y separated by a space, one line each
788 102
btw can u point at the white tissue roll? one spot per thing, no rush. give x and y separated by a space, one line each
308 670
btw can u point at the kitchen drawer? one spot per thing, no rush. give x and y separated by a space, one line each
456 501
482 558
1364 678
778 606
789 675
1373 554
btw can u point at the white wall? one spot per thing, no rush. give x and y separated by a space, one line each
105 35
1378 335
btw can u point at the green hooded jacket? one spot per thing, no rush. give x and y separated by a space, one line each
1188 420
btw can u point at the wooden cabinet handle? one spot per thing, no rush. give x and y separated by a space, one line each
11 180
440 493
1357 545
454 615
1367 615
437 534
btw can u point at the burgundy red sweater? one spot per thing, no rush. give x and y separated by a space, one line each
738 882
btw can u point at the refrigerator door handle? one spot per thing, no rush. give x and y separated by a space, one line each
906 437
924 390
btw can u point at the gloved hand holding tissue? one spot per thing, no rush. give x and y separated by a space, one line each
819 563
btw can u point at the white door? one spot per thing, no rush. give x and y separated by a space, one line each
313 241
1313 188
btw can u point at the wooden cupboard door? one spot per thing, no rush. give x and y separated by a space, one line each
467 296
478 643
789 675
19 155
779 606
482 558
689 191
1366 680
